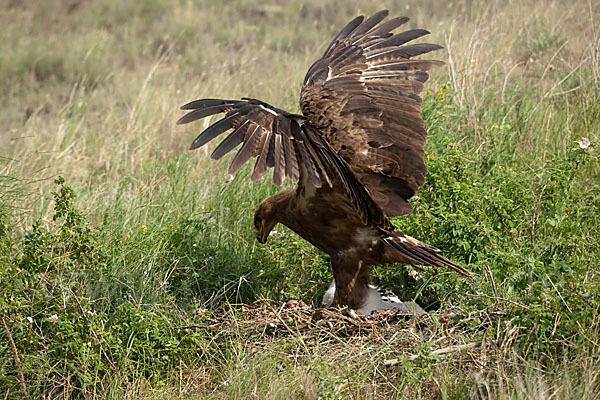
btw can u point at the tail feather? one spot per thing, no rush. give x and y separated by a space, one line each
419 253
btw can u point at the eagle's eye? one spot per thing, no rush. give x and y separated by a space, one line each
258 222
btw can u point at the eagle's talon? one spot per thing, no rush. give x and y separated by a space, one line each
377 299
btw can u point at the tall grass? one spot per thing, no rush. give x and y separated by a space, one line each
103 271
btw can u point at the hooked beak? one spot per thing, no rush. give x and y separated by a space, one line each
261 238
260 233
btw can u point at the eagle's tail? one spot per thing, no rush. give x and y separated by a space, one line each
415 252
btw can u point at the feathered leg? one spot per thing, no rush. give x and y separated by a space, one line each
351 282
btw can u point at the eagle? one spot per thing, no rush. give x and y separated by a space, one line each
356 153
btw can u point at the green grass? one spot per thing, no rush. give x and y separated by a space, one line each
126 277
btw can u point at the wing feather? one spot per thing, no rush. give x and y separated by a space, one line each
390 55
250 142
369 23
382 31
291 162
213 131
260 166
351 26
279 166
202 113
205 103
304 154
231 141
399 39
308 136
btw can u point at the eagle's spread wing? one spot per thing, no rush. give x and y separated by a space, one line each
363 95
284 141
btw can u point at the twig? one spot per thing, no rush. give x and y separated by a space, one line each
194 326
489 272
351 392
456 347
566 77
559 295
534 216
18 364
566 91
552 59
444 350
499 298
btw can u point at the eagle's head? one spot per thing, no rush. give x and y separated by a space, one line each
271 211
265 219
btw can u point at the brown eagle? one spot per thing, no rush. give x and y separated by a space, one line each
356 153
